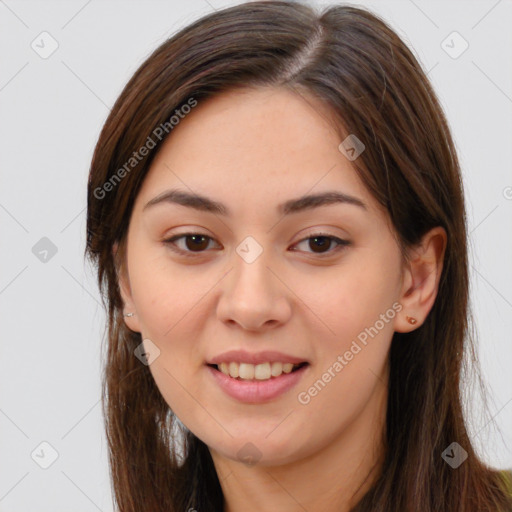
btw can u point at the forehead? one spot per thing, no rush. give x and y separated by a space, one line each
255 125
262 144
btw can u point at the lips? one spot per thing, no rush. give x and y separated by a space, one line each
257 391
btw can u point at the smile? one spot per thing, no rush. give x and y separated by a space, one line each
257 390
263 371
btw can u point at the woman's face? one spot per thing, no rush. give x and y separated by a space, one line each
260 281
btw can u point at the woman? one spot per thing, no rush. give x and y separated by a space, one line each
285 274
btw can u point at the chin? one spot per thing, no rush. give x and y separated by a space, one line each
257 449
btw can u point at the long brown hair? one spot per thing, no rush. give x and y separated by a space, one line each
357 65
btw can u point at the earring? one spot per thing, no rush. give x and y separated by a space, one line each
411 320
128 314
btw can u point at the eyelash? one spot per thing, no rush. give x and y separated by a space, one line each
170 242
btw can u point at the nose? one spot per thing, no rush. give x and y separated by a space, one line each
253 296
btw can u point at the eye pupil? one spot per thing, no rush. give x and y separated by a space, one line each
324 242
197 241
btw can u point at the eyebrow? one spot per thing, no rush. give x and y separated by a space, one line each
299 204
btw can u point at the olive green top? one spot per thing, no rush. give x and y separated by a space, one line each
507 476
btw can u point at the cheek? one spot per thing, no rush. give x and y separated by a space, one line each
345 301
354 315
352 351
166 295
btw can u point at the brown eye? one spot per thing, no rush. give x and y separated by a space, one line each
321 243
318 243
194 243
197 242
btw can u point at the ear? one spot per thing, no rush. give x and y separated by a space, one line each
132 322
421 276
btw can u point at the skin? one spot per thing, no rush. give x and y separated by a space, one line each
251 150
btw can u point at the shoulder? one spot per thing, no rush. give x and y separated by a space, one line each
506 474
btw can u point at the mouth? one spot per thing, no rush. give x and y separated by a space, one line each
249 384
260 372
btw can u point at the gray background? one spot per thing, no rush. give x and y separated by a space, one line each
52 110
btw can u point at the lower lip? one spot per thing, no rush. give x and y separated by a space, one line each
257 391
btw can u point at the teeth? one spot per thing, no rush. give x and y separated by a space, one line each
233 370
277 369
263 371
245 371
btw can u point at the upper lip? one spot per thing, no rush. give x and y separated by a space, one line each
242 356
